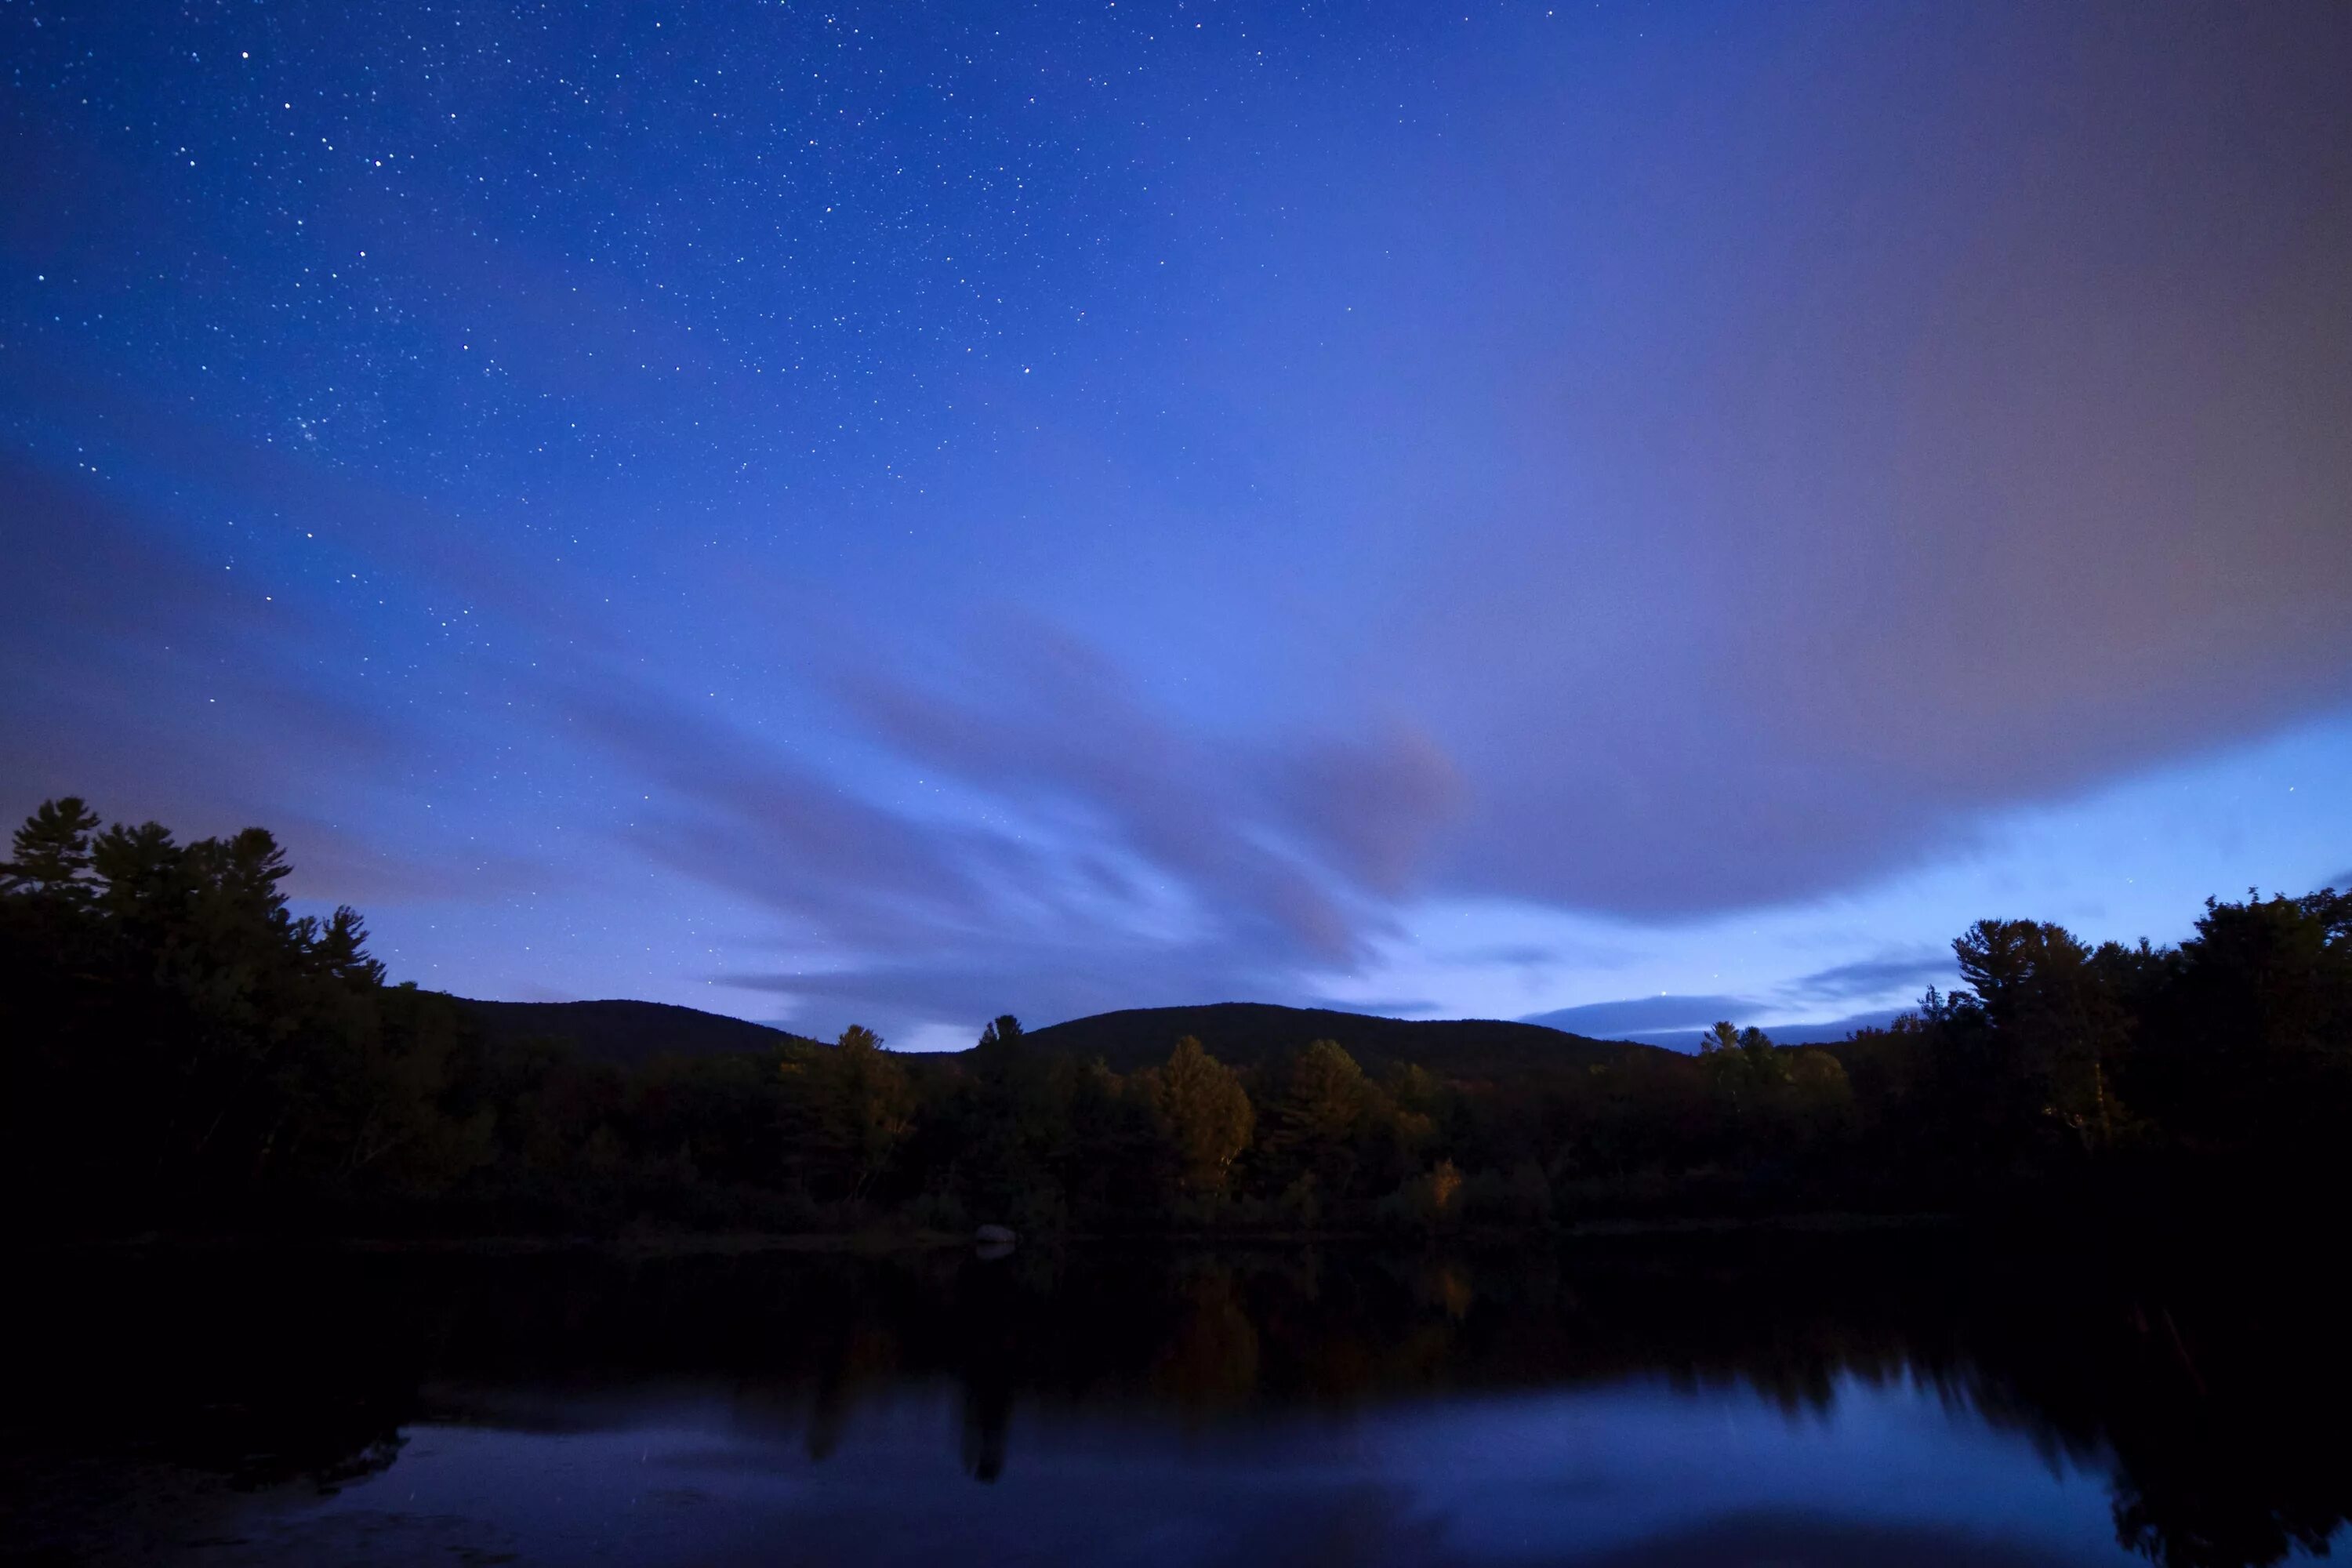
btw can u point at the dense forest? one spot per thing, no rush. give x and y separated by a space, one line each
179 1050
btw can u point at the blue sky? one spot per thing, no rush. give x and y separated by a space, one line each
911 512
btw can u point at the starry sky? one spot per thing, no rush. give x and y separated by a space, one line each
1621 513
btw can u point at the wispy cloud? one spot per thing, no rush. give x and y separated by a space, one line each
1907 970
1644 1014
1125 860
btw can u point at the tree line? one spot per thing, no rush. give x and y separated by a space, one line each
177 1047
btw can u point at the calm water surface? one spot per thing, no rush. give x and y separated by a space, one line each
1758 1402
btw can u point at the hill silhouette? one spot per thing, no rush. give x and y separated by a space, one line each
1249 1034
627 1033
1241 1034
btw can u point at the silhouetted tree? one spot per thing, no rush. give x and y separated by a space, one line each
2250 1041
1014 1150
2054 1027
1317 1118
853 1107
1743 1065
50 857
181 1040
1207 1113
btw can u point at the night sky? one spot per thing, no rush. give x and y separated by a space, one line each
908 512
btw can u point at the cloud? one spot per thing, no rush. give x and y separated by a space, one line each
1304 840
1122 866
1779 565
1649 1014
1381 1007
162 684
1834 1029
1374 804
1686 1038
1515 955
738 815
338 865
1048 720
1678 1021
1907 969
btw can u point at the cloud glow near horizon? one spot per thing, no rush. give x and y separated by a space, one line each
1634 511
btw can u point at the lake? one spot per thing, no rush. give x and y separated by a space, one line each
1913 1398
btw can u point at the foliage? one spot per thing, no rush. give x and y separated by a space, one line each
1206 1114
849 1108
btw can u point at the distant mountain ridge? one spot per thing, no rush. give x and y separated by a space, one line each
625 1032
1242 1034
1250 1033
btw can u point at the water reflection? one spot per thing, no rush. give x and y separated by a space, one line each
1784 1400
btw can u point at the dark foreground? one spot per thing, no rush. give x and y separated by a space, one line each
1921 1399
